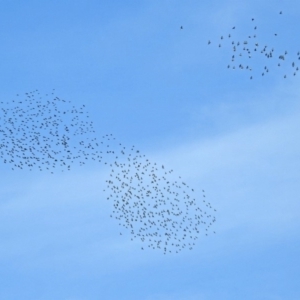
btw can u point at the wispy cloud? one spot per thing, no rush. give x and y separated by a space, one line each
250 174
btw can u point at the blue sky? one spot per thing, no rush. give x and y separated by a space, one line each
171 95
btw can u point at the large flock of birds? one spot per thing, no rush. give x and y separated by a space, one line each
43 132
46 133
157 207
249 51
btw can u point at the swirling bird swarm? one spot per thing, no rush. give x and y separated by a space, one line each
47 133
158 209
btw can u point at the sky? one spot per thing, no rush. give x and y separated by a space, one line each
167 92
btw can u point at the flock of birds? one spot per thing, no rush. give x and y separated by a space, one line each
156 207
46 133
247 50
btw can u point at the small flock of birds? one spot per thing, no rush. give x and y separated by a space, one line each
246 50
47 133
